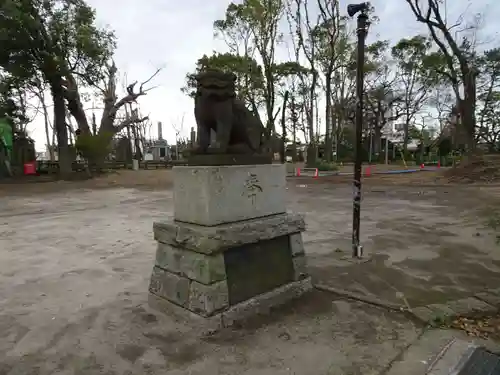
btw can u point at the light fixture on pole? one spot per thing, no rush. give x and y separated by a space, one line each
361 31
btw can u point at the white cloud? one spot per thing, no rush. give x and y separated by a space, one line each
174 34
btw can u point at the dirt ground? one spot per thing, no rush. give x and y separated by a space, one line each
75 265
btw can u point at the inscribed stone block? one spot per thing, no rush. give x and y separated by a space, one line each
212 195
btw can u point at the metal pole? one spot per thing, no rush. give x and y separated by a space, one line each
357 250
176 146
371 147
387 149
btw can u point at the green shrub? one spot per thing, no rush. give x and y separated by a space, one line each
323 165
94 148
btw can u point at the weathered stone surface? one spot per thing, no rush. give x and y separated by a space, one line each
216 108
170 286
490 298
296 244
423 313
440 310
494 291
436 352
300 267
196 266
468 305
207 299
452 308
257 268
208 240
262 303
212 195
204 324
453 357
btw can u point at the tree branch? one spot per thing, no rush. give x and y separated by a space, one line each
132 96
130 121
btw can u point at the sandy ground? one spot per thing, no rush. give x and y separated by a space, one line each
74 270
423 244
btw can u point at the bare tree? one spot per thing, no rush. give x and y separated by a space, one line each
306 41
111 102
328 35
459 66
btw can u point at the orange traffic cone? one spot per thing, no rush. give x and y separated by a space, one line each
368 171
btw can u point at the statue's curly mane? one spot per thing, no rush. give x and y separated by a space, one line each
216 83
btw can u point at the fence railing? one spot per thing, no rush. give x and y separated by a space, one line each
46 166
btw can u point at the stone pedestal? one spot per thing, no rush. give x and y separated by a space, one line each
231 250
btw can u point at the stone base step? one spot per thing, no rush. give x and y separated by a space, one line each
480 362
260 304
447 352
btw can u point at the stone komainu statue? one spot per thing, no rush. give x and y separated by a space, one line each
216 108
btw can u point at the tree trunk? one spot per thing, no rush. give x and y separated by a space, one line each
138 152
329 121
46 120
94 124
283 129
467 108
269 99
107 121
406 135
75 106
312 152
129 141
71 130
377 137
294 119
61 130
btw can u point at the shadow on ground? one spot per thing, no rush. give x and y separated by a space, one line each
312 336
422 245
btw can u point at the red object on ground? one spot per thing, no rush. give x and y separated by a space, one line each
297 173
30 168
368 171
316 173
439 164
422 166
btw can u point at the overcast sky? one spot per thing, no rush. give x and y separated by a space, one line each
174 34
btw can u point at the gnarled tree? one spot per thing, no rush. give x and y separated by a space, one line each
460 69
94 146
56 39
